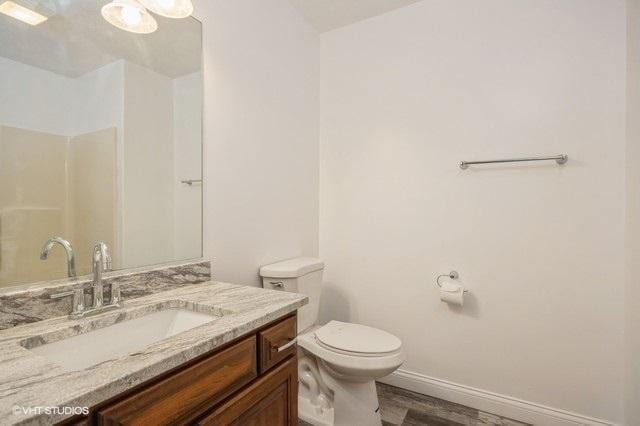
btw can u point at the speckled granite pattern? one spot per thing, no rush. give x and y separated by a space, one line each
35 304
29 380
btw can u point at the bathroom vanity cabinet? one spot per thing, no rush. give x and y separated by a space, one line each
250 381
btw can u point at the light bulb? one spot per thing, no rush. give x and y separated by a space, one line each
166 4
131 15
169 8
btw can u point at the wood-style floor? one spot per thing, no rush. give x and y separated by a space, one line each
400 407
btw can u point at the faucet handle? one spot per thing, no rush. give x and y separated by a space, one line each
102 249
116 296
78 300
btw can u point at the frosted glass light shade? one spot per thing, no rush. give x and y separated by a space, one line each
129 15
169 8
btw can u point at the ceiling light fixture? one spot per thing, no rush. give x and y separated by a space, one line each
22 13
129 15
169 8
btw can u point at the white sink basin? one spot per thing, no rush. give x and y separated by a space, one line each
112 342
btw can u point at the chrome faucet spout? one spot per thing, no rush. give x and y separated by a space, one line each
101 263
68 248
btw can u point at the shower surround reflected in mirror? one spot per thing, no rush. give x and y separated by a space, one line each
98 129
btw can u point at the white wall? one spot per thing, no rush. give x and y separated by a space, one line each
632 295
159 143
261 135
35 99
99 104
405 97
148 209
187 140
99 99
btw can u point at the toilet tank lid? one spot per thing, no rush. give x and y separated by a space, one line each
292 268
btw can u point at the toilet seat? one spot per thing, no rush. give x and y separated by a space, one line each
356 339
356 366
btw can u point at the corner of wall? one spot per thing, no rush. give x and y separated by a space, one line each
632 252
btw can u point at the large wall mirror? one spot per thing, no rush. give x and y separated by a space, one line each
100 140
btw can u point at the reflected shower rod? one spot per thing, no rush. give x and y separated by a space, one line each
560 159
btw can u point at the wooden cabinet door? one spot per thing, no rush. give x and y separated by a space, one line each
189 393
270 401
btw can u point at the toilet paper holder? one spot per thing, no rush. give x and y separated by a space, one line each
453 275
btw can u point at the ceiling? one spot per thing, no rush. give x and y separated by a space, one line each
76 40
326 15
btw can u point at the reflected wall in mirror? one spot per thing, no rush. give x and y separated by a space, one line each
98 129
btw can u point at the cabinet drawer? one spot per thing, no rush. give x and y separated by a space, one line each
272 400
189 392
276 343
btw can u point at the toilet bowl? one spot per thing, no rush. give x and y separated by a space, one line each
338 363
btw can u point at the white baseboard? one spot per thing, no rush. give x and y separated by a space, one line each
489 402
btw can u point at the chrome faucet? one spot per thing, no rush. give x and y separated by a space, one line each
68 248
101 263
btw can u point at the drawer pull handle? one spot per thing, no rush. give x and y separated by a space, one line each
288 345
278 284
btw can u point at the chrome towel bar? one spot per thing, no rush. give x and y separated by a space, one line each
560 159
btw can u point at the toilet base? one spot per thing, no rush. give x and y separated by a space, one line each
310 413
355 404
355 407
324 400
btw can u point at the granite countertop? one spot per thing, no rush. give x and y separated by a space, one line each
29 380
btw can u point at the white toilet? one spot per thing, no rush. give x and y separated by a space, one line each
338 363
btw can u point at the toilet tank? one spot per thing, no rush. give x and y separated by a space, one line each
301 275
